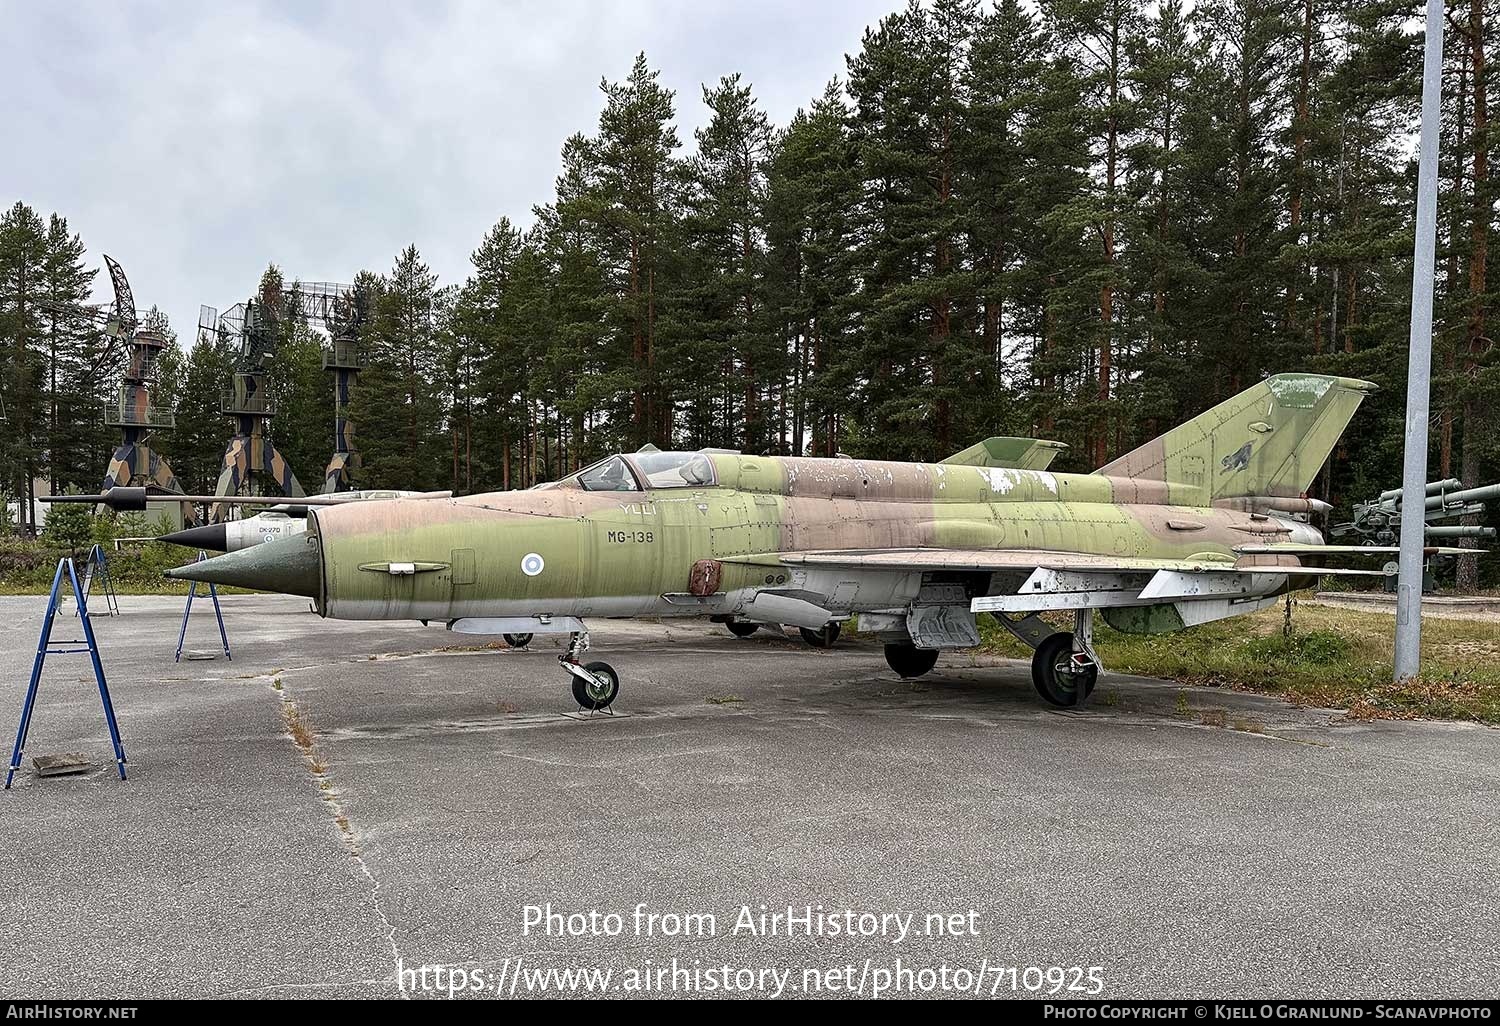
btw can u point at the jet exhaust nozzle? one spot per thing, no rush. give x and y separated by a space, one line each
291 566
211 537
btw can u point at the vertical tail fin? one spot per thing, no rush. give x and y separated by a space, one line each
1271 439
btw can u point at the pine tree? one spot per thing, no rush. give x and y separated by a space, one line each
303 393
1096 38
634 204
77 442
812 186
23 255
493 364
1004 74
1236 176
398 403
1162 266
730 359
908 88
1061 299
196 445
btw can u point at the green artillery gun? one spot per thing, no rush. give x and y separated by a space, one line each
1378 523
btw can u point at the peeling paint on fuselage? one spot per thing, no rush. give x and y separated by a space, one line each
632 553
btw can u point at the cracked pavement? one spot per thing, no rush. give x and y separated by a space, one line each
1286 853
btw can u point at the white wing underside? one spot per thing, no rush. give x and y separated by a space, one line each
1202 589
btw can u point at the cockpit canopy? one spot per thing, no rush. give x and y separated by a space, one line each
644 470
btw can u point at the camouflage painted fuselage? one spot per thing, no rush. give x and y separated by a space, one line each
709 550
1195 525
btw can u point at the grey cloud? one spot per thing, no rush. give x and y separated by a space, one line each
198 142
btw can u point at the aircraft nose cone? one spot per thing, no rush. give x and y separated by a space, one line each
213 537
292 566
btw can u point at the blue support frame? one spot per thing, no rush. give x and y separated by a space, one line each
96 568
187 609
44 649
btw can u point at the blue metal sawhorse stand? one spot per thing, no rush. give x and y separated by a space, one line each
44 649
96 568
213 593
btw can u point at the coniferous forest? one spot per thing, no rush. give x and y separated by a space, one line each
1084 220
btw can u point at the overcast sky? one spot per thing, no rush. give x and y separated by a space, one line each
196 142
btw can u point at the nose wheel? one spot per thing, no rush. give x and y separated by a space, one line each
598 689
596 684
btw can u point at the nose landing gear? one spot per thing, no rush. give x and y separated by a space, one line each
596 684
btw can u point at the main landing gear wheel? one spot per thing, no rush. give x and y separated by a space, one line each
908 660
600 690
1057 674
741 628
517 640
823 638
595 685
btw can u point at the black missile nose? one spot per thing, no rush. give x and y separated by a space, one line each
291 566
211 537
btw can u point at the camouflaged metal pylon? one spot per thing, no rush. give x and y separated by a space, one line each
247 457
345 363
134 463
340 472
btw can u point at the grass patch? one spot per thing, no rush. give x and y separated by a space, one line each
1340 658
298 726
26 567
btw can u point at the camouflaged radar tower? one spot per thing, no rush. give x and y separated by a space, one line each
134 462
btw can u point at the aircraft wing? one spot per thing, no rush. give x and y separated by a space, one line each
971 559
1038 580
922 559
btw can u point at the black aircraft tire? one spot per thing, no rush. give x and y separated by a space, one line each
600 696
741 628
822 638
1059 689
908 660
517 640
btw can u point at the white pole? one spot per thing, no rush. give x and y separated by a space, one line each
1419 362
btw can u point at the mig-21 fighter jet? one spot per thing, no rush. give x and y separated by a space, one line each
1205 522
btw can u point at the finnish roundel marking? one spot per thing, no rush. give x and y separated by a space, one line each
532 564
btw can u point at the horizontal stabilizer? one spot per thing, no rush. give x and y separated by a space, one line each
1009 453
1296 549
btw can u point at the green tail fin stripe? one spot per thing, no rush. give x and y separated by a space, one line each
1271 439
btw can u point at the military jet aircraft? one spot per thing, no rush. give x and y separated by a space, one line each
280 521
1204 522
1010 453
